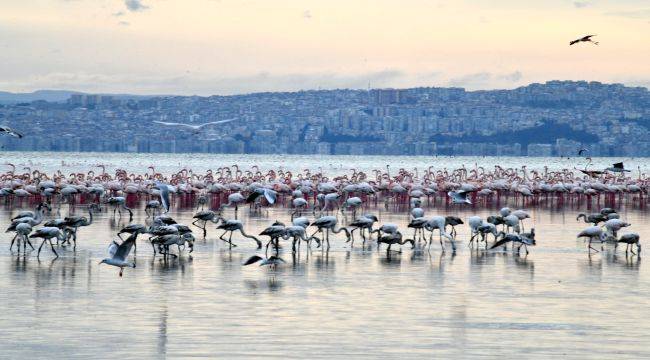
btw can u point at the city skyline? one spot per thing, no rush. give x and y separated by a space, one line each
551 119
230 47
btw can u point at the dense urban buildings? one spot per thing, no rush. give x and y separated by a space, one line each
552 119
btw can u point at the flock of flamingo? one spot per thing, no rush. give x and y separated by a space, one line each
319 196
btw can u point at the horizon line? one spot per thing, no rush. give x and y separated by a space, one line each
315 90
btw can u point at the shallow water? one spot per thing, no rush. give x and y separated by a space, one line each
349 303
331 165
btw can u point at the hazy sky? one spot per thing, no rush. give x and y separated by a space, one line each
233 46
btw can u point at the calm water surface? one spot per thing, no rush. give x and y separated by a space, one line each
348 303
345 303
330 164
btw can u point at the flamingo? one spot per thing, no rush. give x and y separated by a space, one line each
591 233
439 222
392 239
22 233
205 216
47 233
328 223
629 239
229 226
515 238
363 223
75 222
453 221
118 203
592 218
274 232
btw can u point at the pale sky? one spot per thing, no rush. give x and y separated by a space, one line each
209 47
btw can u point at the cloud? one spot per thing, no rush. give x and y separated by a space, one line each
201 84
307 14
118 14
196 83
582 4
514 77
632 14
471 80
485 80
135 5
124 23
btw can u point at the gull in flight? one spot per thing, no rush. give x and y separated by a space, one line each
9 131
270 195
164 195
194 128
119 253
273 261
617 167
586 38
459 197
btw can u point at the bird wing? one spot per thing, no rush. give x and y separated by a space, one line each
170 123
499 243
587 37
216 122
124 248
252 260
112 248
574 42
11 131
164 195
270 196
252 196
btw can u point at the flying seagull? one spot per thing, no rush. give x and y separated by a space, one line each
119 253
586 38
459 197
269 194
164 195
194 128
9 131
273 261
617 167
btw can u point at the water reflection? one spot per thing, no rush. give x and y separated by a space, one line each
162 330
270 284
450 304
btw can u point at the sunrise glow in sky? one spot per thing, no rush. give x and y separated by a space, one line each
234 46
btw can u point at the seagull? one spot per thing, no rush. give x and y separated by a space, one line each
459 197
119 253
9 131
164 195
586 38
269 194
617 167
194 128
273 261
